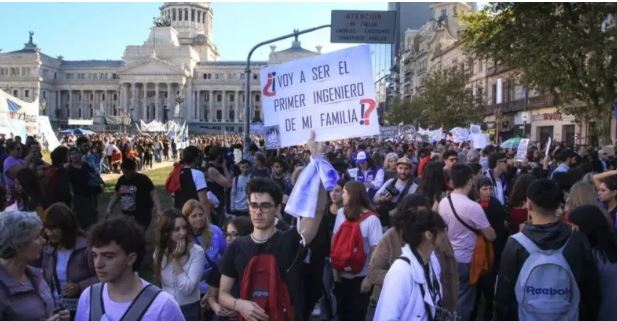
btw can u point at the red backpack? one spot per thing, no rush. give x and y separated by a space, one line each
262 284
347 253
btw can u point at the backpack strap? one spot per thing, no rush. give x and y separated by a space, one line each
429 314
365 215
141 303
531 247
405 190
475 231
97 308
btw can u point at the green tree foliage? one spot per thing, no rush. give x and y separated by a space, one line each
564 48
445 101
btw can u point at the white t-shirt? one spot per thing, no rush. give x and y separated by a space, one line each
463 240
163 308
199 179
184 287
371 234
62 265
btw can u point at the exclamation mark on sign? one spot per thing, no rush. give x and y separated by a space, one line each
362 114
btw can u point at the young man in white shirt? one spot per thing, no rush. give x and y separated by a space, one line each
118 247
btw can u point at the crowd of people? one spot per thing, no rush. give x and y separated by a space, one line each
356 229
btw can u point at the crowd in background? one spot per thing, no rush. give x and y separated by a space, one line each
422 210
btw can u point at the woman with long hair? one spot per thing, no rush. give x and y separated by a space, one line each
592 222
432 184
210 237
583 193
66 260
179 262
606 184
29 197
352 301
517 202
239 226
414 279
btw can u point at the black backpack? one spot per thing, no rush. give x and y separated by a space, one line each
187 189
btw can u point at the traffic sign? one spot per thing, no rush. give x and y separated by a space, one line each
352 26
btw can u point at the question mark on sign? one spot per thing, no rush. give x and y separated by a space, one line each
367 114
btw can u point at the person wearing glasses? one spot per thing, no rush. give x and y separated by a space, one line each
265 199
24 294
498 174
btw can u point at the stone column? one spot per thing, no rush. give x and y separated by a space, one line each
212 115
144 101
134 100
238 111
170 101
188 100
157 100
70 104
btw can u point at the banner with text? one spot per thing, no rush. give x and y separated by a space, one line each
332 94
18 117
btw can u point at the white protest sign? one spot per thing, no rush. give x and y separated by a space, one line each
479 141
47 135
332 94
475 129
548 147
435 135
459 134
521 152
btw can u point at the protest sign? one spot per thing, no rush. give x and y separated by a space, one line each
388 132
459 134
406 132
47 135
479 141
521 152
548 147
475 129
435 135
17 116
332 94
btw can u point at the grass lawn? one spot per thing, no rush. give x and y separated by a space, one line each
158 177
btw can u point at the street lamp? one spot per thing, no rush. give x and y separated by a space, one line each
179 100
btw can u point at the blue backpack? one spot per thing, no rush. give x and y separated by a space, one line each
546 289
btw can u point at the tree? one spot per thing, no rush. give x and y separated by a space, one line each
563 48
445 101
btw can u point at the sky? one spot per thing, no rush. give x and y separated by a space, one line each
80 31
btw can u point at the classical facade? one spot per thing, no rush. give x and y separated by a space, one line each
174 75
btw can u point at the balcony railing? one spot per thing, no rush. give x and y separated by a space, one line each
519 105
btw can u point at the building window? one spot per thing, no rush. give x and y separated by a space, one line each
186 14
91 96
193 15
256 97
219 115
254 76
219 97
115 96
103 96
199 16
231 97
231 115
15 93
26 93
173 14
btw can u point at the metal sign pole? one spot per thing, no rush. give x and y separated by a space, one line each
247 89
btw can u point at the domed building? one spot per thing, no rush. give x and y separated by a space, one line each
174 75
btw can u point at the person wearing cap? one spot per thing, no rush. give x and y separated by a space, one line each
394 189
566 159
368 174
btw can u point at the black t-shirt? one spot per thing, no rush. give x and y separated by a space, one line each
79 178
285 246
135 194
